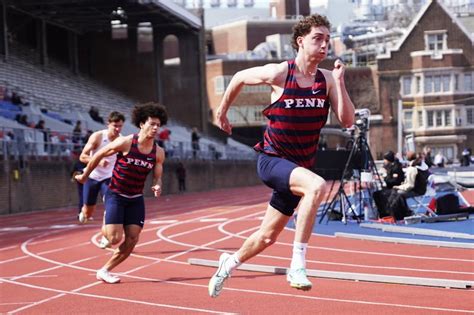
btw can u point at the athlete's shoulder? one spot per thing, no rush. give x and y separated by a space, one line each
277 71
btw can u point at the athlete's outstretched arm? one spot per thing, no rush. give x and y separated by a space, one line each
121 144
270 74
340 101
91 145
158 171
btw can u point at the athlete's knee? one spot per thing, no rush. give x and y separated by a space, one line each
267 238
316 187
132 240
114 238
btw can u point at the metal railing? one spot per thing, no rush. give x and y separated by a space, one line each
24 144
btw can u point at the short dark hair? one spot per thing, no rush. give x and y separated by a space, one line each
116 116
141 113
303 27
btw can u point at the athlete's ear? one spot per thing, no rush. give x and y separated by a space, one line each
299 41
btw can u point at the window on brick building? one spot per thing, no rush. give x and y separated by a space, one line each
437 83
470 115
468 86
420 118
439 118
406 81
408 119
436 41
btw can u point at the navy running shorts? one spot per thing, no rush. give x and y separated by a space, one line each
275 173
92 188
123 210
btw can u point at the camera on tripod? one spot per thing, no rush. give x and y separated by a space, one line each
362 119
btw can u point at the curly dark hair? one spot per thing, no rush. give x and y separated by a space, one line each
303 27
141 113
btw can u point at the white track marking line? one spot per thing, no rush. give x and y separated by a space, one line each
361 252
42 253
25 250
9 247
297 296
304 297
213 220
63 293
230 235
162 221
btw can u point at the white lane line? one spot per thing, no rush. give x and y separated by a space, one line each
288 295
270 293
162 221
9 247
59 265
213 220
44 252
15 229
230 235
96 296
362 252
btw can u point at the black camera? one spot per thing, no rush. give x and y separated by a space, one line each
362 119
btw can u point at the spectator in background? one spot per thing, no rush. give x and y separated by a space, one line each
466 157
195 141
77 136
22 119
427 156
94 113
10 136
416 176
16 100
392 165
40 125
87 136
439 159
181 176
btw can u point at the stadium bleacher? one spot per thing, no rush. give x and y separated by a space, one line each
61 98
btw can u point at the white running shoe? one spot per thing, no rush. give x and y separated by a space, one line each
217 281
104 243
82 218
104 275
298 279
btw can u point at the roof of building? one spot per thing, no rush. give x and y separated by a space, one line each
81 16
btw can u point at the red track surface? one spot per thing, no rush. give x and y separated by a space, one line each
48 263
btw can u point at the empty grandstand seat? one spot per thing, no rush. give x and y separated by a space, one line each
5 105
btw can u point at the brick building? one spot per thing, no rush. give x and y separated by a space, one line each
429 72
430 76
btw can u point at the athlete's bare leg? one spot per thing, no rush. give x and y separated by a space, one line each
311 187
272 225
114 235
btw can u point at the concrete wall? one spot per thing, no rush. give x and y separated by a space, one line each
46 184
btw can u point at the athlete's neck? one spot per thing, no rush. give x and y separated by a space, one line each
305 66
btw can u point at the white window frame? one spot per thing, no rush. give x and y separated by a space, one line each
407 84
440 117
407 119
437 83
469 115
468 84
434 34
